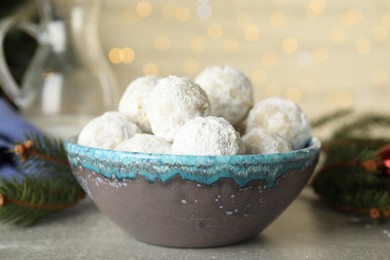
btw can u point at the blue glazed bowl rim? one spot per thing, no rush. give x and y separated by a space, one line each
71 146
113 164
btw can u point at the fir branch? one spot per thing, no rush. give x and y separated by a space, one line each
367 142
353 178
41 155
331 117
45 148
48 185
362 125
33 199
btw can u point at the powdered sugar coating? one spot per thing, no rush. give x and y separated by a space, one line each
259 141
283 117
207 136
132 100
107 131
229 90
145 143
173 102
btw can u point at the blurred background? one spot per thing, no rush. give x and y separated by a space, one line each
324 55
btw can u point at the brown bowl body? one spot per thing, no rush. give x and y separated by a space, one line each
178 211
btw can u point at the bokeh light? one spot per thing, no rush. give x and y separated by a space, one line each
379 77
150 69
204 11
338 36
117 55
162 42
230 45
315 8
252 33
144 8
320 54
351 17
215 31
362 46
294 94
182 14
290 45
303 50
276 19
385 19
197 45
379 33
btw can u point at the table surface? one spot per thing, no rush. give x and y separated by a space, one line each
307 229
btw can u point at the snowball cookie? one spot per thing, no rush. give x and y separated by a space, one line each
283 117
107 131
229 91
145 143
208 136
259 141
174 101
132 101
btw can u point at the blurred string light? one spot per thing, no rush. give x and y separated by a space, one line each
182 14
197 45
143 9
338 36
351 17
215 31
118 55
253 28
294 94
320 54
204 10
276 19
385 19
305 58
289 45
150 69
379 33
252 33
379 77
362 46
315 8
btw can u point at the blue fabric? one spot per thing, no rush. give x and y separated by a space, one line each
12 129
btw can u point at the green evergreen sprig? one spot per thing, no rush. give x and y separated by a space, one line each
331 117
47 186
353 177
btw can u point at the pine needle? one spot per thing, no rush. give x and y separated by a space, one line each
48 185
331 117
362 126
352 178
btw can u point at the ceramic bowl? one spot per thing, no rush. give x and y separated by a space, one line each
191 201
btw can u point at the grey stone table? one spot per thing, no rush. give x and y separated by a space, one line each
306 230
